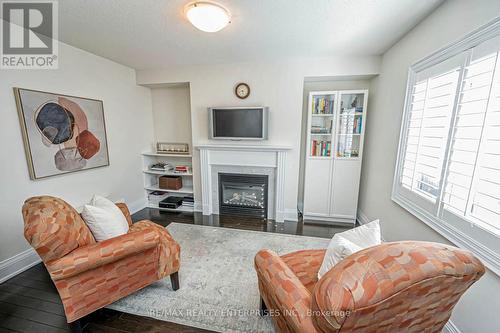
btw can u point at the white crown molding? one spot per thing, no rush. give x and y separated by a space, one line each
17 264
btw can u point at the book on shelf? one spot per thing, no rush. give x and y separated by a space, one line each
156 196
188 201
357 125
320 130
322 105
320 148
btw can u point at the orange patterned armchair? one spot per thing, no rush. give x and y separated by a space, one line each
394 287
90 275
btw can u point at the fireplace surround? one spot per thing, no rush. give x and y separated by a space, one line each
245 159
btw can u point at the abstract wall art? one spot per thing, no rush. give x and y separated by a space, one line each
61 133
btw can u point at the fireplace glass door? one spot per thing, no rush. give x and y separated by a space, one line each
243 194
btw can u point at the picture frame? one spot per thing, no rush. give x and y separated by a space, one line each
61 133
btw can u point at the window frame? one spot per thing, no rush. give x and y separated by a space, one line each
458 230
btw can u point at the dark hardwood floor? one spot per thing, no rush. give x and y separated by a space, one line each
29 302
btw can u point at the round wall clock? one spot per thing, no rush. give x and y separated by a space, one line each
242 90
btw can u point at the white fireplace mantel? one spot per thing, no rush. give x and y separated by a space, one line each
244 156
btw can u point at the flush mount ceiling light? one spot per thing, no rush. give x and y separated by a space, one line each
207 16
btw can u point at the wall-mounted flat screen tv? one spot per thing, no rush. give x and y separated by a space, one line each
238 123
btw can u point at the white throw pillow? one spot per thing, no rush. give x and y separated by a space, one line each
348 242
104 219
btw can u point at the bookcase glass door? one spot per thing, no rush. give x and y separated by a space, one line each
350 125
322 125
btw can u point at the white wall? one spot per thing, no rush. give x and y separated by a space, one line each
127 111
477 310
277 85
172 114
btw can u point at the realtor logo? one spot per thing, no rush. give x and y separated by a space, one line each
29 34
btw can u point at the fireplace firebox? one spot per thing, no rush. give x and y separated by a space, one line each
241 194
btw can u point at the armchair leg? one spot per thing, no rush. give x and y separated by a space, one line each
263 308
75 327
174 278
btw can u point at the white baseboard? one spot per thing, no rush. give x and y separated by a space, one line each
17 264
198 206
362 218
450 328
291 215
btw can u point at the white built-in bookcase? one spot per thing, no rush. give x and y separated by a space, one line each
335 135
151 177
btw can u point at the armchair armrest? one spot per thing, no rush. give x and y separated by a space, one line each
124 208
98 254
283 289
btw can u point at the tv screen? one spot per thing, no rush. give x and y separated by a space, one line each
239 123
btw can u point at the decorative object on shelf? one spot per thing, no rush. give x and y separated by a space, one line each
170 182
155 197
161 166
172 148
53 121
181 169
242 90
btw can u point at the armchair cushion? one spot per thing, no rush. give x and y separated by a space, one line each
91 256
104 219
348 242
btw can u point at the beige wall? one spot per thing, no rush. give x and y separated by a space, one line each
172 114
127 111
476 312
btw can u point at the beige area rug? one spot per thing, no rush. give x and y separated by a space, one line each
218 284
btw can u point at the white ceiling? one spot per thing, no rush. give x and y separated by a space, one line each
150 34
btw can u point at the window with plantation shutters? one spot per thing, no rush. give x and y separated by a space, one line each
448 167
431 108
472 187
